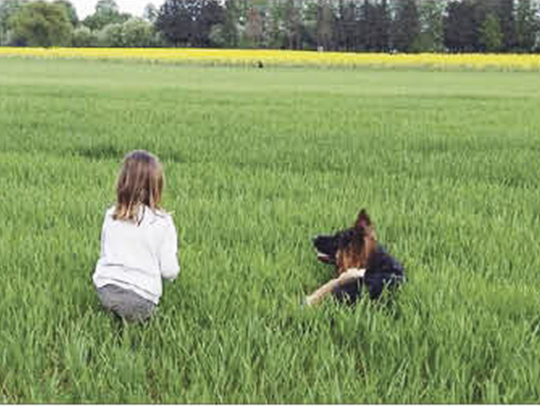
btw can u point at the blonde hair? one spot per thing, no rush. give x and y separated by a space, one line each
140 182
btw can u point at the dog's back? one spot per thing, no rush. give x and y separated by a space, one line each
383 271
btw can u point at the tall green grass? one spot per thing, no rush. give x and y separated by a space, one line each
257 162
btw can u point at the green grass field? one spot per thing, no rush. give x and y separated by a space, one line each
257 162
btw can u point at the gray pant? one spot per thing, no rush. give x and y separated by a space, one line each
125 303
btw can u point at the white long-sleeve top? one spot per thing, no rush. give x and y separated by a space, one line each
137 255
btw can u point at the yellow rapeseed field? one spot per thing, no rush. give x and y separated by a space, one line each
522 62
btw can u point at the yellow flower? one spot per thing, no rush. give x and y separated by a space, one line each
520 62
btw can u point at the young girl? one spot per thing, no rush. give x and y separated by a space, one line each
138 242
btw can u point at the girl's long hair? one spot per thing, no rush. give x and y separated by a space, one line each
140 183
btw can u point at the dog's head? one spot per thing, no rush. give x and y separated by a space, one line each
349 248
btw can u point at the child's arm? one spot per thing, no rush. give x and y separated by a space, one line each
170 268
103 235
345 278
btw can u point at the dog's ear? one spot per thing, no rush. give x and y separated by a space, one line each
363 222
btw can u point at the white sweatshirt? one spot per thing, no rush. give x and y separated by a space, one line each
136 256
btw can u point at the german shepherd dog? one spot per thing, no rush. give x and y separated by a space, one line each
360 261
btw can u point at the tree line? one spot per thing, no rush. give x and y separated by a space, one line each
330 25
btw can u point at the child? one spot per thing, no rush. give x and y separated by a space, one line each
138 242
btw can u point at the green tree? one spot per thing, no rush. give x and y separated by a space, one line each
283 25
211 15
70 11
229 29
406 26
190 22
431 15
107 7
8 8
216 38
346 26
106 13
308 29
41 24
293 23
506 14
491 36
382 25
368 26
526 26
275 36
176 21
326 25
254 29
460 27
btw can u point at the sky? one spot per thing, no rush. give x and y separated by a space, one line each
135 7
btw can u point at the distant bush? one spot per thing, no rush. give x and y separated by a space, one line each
137 33
84 37
111 36
134 33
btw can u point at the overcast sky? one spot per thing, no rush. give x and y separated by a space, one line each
135 7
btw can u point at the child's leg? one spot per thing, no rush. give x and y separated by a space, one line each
125 303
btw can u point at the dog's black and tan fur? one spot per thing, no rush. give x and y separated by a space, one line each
361 263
